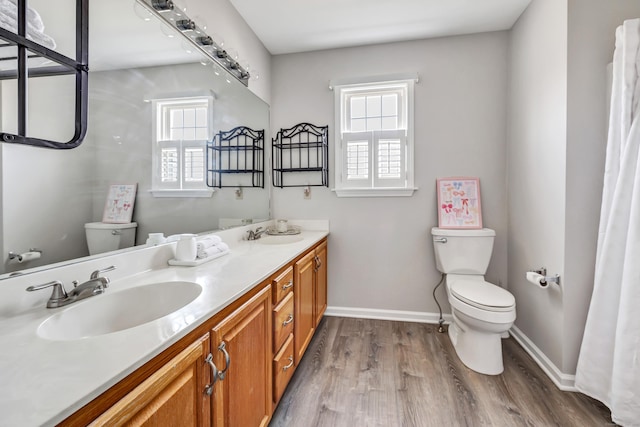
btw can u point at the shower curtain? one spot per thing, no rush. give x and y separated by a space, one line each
609 362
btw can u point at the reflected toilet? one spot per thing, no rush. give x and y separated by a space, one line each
103 237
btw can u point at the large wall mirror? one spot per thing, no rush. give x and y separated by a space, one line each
136 63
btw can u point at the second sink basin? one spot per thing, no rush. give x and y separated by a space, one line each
279 240
112 312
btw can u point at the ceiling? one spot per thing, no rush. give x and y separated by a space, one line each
288 26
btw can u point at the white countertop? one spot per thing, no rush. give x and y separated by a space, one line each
42 382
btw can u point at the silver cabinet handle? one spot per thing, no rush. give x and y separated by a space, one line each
289 320
288 285
440 240
223 348
284 368
208 390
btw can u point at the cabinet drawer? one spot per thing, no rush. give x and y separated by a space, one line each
282 285
282 321
282 368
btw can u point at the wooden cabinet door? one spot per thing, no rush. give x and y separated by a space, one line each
303 293
243 398
172 396
320 304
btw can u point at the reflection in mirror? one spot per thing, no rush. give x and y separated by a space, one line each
28 62
49 195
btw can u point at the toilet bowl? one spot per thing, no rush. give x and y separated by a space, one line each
103 237
482 312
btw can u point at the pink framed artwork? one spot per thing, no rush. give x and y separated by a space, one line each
459 203
118 208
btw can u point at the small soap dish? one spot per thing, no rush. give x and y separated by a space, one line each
291 230
196 261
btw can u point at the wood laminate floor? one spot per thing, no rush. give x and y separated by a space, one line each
360 372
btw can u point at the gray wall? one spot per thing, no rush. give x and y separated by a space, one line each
380 252
39 188
536 167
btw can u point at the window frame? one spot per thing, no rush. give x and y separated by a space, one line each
161 113
374 186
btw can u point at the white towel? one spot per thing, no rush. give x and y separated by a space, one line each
35 26
213 250
208 241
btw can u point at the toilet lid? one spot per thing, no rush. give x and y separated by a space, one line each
483 295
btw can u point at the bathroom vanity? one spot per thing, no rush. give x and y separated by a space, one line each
223 359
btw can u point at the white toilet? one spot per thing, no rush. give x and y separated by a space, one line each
482 312
103 237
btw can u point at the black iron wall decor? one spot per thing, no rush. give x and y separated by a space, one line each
301 154
237 151
15 46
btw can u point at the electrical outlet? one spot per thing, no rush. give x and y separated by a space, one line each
307 192
239 194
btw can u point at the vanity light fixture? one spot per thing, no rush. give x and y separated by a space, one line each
205 41
162 5
167 11
185 25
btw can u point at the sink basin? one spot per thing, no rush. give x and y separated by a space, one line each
112 312
280 240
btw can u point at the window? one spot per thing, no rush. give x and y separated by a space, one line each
374 130
181 130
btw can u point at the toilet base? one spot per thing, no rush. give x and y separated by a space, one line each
479 351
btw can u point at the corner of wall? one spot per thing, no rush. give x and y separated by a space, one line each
536 156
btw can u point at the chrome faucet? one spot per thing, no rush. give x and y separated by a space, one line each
96 285
255 235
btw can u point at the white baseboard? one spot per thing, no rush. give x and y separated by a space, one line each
403 316
564 382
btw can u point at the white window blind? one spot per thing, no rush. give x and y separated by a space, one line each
374 123
182 128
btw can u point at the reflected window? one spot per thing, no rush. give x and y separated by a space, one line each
182 127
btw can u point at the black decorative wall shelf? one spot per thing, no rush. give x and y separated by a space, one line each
301 148
237 151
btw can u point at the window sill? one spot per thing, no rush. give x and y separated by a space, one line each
374 192
182 193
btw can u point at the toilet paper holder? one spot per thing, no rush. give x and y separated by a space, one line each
552 279
13 255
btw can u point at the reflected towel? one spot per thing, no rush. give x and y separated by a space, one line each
35 26
208 241
213 250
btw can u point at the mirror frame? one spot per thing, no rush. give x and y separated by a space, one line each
67 66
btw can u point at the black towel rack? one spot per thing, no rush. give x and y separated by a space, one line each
237 151
303 151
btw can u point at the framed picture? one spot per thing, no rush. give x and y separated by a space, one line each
459 202
118 208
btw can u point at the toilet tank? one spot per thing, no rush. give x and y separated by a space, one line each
103 237
462 251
